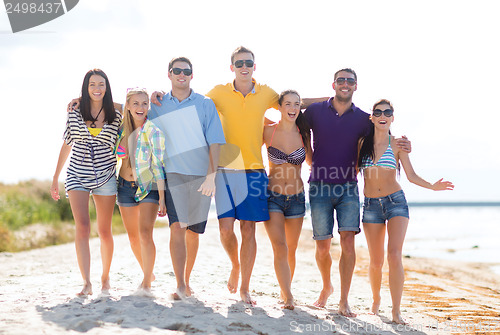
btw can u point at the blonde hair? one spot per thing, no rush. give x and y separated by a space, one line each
128 121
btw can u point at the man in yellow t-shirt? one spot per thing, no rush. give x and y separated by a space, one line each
241 180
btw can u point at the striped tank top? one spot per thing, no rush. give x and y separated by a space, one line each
92 161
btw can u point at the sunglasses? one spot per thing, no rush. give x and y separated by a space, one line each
341 81
388 112
177 71
239 63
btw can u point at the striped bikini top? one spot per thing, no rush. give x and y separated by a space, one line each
276 156
387 160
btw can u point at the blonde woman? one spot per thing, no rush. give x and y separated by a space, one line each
141 186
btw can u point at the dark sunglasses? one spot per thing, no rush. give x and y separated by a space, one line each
388 112
239 63
341 81
177 71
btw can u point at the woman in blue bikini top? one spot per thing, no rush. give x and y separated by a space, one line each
385 207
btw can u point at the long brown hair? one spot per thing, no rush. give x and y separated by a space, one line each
300 121
367 148
107 101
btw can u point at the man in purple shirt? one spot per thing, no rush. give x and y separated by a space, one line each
337 125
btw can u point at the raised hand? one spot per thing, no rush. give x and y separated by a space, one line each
441 185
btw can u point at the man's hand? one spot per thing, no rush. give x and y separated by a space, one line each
156 97
208 186
74 104
404 143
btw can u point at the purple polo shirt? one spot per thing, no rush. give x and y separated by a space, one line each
335 141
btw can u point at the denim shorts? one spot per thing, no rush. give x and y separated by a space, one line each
185 204
108 188
292 206
126 194
325 198
242 194
379 210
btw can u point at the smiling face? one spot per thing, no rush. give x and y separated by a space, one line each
243 73
180 81
290 107
382 121
97 87
344 91
138 105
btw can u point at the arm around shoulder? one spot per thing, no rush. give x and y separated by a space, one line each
306 102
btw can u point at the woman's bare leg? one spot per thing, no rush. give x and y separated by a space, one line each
275 228
396 231
104 208
79 201
375 237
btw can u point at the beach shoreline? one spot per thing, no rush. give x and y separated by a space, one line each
38 294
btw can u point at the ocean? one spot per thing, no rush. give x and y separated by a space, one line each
463 233
469 233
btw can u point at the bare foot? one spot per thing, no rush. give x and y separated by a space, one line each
289 304
105 287
189 291
397 318
375 307
232 283
282 298
323 297
144 292
86 290
247 299
178 295
345 310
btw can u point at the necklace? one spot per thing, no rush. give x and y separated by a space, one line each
92 125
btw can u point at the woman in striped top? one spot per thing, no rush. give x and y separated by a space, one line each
141 181
385 206
90 135
287 143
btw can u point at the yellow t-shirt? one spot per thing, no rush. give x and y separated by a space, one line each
242 120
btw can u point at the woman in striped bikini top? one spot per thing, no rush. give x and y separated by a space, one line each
385 209
387 160
278 157
286 188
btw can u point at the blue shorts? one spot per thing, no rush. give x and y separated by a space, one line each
292 206
325 198
242 194
379 210
108 188
126 194
185 204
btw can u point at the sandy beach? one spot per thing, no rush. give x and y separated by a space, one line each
37 295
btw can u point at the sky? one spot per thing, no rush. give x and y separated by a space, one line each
437 61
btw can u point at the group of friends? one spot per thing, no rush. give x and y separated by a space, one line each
184 148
